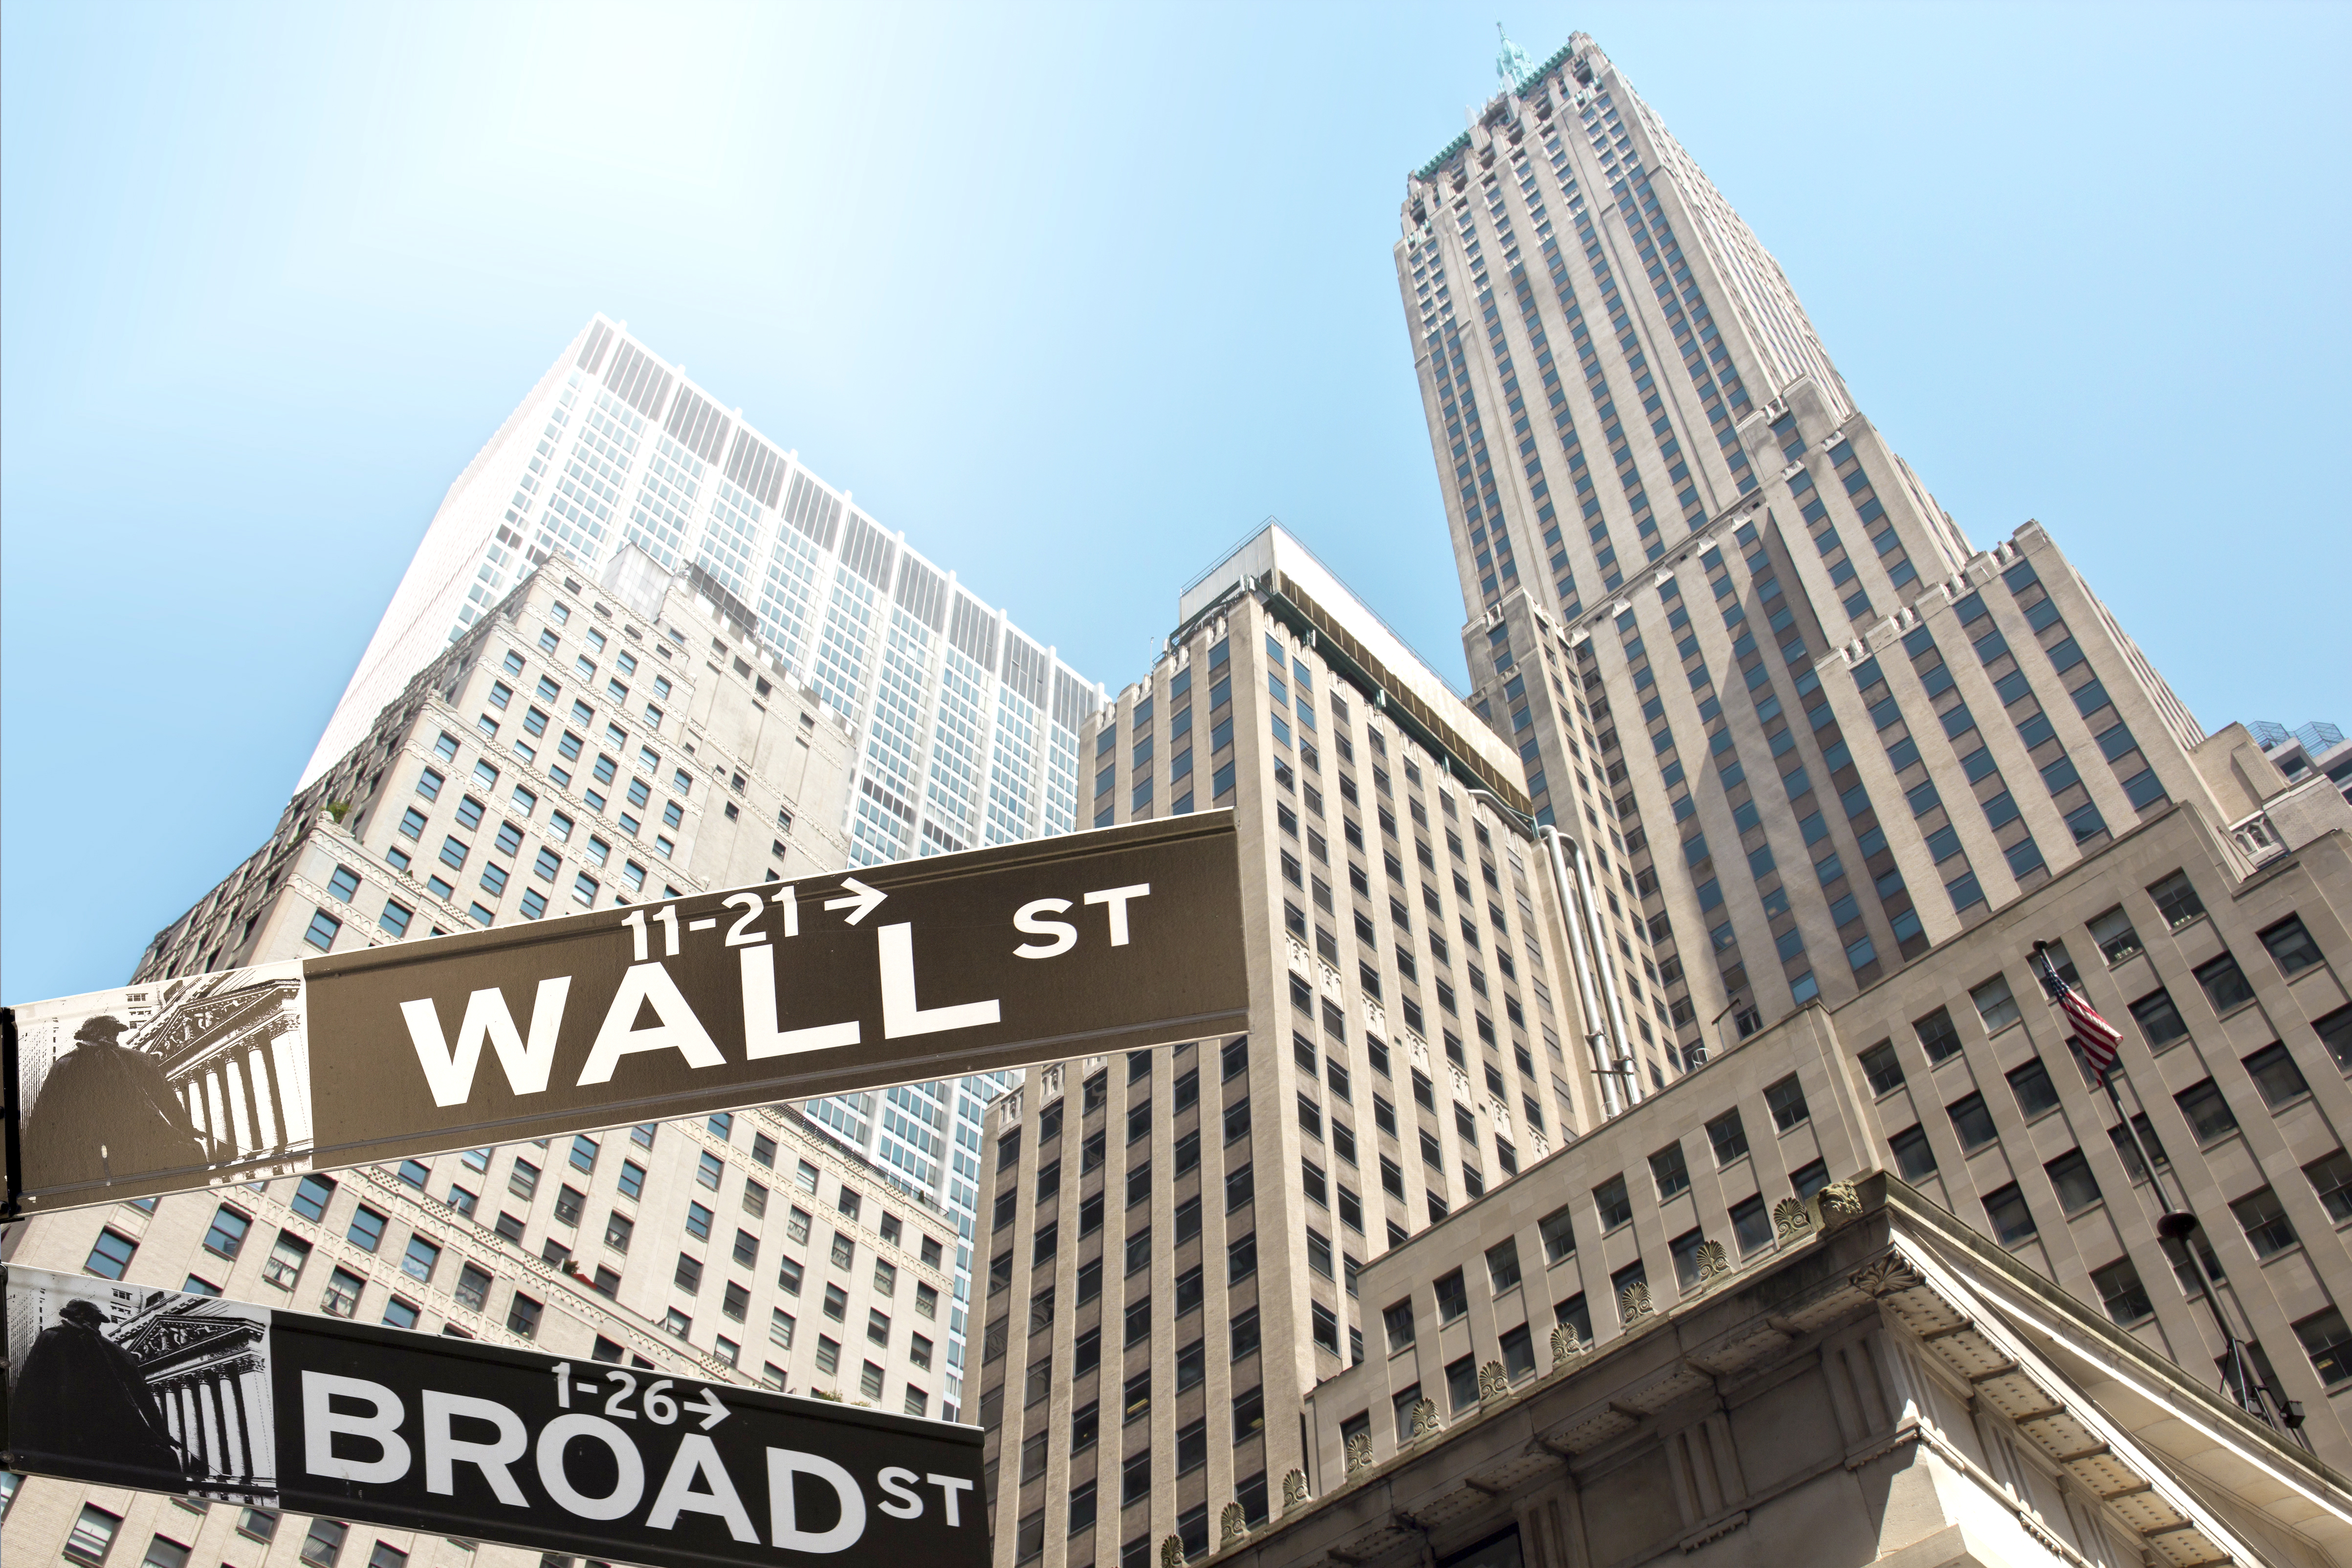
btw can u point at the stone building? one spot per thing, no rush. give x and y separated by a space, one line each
1828 736
2223 954
591 742
1882 1386
1415 1042
588 742
963 728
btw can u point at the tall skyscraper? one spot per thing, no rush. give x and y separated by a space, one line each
969 728
587 741
966 729
1416 993
1744 656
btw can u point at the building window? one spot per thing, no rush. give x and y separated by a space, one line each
2159 1019
287 1258
2120 1290
2035 1093
341 1296
1995 1005
2264 1219
2291 945
2113 934
2328 1342
2177 901
2012 1220
2224 982
2209 1114
1913 1156
324 928
325 1542
1729 1138
110 1255
1937 1035
1787 1100
311 1196
1751 1224
1881 1067
92 1535
2071 1178
2276 1076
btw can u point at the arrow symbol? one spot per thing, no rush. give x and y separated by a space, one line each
862 901
715 1412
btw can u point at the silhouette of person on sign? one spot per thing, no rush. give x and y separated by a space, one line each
82 1397
107 1110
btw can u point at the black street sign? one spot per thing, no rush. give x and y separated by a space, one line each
123 1385
1079 945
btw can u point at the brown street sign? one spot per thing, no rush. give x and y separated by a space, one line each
198 1397
1079 945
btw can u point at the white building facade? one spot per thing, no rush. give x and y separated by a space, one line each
966 729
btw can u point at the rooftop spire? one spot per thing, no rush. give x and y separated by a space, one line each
1512 65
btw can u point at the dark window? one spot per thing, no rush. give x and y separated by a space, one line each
2209 1114
2175 899
1913 1156
1728 1136
2264 1218
2035 1093
1881 1067
1788 1102
2224 982
2071 1179
2291 945
1397 1318
1558 1229
2159 1019
2331 1181
2275 1074
2328 1342
2120 1290
1611 1200
1972 1121
2012 1220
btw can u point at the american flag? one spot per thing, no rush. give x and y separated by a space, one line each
2097 1037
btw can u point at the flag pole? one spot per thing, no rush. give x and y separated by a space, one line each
2178 1224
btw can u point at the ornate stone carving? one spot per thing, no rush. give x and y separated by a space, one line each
1171 1551
1884 1276
1840 1203
1633 1302
1359 1452
1294 1487
1493 1382
1567 1350
1790 1219
1714 1263
1234 1526
1424 1419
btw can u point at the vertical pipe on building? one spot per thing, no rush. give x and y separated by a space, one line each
1593 1020
1622 1036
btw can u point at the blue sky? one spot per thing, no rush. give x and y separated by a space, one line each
1073 297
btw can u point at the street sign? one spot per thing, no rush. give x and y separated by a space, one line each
1079 945
123 1385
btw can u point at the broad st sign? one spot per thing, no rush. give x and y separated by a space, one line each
126 1386
1075 946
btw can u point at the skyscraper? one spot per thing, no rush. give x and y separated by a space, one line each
966 729
969 729
586 742
1744 656
1415 999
